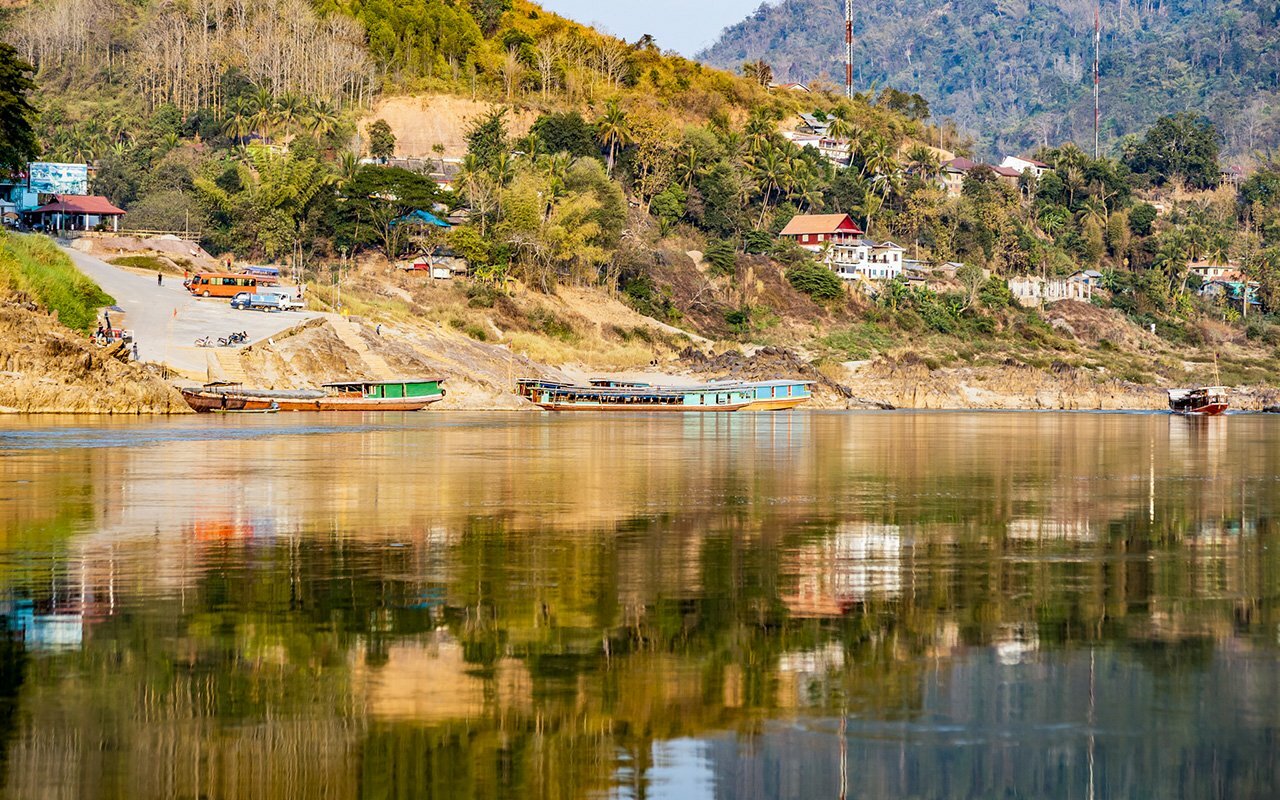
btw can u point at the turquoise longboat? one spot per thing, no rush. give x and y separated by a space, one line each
774 395
557 396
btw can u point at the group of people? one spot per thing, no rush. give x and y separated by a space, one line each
105 335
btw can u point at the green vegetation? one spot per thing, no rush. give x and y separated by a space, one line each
35 266
17 116
816 281
1019 75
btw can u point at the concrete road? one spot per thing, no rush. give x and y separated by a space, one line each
166 320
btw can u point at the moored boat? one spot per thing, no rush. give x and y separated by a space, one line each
407 394
775 395
609 394
557 396
1204 400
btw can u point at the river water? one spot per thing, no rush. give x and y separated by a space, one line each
805 605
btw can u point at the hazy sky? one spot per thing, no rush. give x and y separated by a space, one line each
682 25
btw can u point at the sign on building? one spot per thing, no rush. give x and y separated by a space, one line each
49 178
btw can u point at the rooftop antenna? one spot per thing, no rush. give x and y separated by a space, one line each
848 47
1097 48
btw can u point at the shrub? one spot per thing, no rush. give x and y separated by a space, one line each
738 319
722 258
816 281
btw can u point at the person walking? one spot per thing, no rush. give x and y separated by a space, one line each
159 278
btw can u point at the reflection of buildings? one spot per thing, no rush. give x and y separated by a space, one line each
858 561
428 679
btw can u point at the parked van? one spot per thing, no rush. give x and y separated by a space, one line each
220 284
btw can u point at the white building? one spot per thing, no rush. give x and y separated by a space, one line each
866 259
1032 291
1037 168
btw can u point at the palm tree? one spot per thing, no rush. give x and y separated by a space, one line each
289 111
322 120
348 166
1093 210
838 124
262 103
770 168
687 167
613 129
758 131
238 123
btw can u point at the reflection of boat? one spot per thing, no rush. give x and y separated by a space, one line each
1204 400
606 394
274 408
409 394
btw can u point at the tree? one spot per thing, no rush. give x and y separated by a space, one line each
487 139
488 14
373 204
758 71
613 129
972 278
382 142
566 132
1179 146
18 143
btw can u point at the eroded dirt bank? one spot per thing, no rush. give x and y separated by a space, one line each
48 368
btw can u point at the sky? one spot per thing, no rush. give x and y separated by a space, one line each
685 26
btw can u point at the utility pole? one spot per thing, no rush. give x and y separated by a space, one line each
848 48
1097 49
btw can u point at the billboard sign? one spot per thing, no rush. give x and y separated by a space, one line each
49 178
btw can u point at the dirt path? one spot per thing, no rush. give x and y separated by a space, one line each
166 320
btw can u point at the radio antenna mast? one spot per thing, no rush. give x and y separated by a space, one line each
1097 49
848 48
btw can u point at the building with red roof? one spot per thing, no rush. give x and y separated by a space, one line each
77 212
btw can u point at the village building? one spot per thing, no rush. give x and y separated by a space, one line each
1208 271
1231 175
69 212
1032 291
1089 276
844 248
791 87
837 151
814 232
1021 165
953 174
1008 176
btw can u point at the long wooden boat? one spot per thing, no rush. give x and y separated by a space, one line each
557 396
776 395
407 394
1206 401
614 395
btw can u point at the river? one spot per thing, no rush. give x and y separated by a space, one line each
804 605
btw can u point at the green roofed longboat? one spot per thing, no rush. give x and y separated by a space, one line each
616 395
405 394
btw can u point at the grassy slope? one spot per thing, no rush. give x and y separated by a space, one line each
33 265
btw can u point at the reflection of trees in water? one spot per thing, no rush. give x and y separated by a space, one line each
492 659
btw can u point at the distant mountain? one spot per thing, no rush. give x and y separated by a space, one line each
1017 73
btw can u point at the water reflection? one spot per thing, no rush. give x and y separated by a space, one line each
804 605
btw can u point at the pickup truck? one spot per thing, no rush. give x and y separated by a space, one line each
289 301
259 302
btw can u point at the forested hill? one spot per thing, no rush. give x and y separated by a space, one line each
1017 73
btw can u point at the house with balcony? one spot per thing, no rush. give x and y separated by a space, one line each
841 245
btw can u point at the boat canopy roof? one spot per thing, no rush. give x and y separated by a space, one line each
395 382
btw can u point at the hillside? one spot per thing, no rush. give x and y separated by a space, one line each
1017 74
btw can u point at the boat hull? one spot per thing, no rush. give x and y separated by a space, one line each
776 404
1208 410
217 401
552 406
